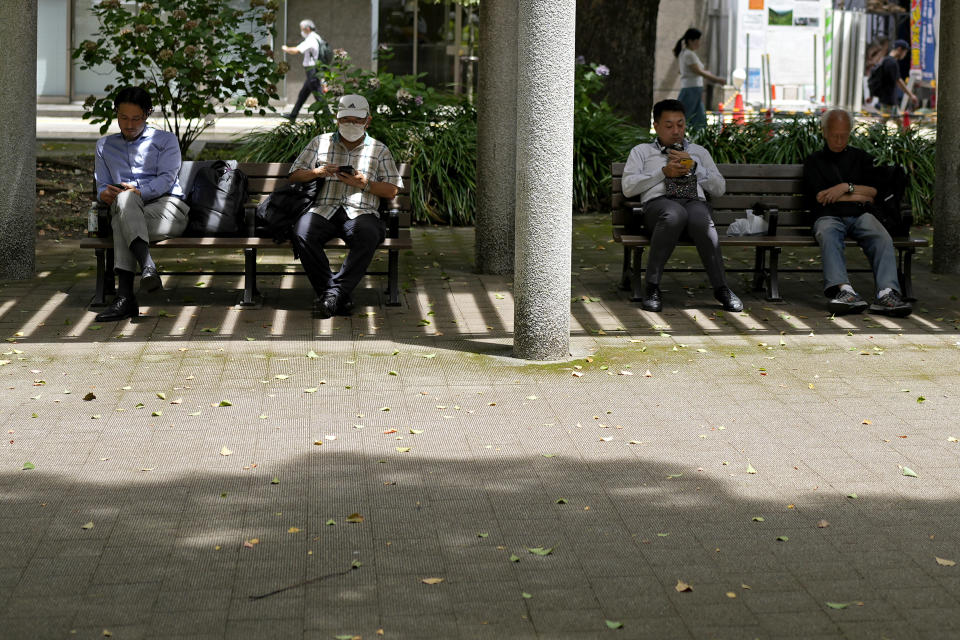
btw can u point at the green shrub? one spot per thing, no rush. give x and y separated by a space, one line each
193 56
791 141
600 137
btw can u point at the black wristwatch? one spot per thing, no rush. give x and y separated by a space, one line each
850 187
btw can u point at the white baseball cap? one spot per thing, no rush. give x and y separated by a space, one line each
353 106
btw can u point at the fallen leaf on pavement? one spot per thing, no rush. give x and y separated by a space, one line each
683 586
823 524
87 526
613 624
432 580
943 562
89 397
27 466
355 518
225 452
540 551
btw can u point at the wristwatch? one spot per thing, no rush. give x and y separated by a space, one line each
850 187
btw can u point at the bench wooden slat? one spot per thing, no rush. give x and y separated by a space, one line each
743 202
402 241
761 170
762 185
265 185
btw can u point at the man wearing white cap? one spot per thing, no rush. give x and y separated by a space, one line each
358 171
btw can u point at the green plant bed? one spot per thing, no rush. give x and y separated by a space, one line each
791 141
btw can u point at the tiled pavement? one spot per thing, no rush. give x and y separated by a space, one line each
635 481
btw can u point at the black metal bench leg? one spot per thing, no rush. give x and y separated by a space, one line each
111 279
773 285
905 273
759 268
625 271
636 277
100 296
393 278
250 292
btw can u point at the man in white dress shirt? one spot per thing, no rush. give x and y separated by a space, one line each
673 176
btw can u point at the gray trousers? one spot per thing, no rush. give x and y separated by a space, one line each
164 217
665 220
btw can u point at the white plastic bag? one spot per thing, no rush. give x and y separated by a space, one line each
752 225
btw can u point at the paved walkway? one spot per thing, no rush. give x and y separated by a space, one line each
387 475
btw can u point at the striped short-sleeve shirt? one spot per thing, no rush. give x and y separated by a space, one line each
372 158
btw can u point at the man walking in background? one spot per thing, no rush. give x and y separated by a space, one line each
885 79
313 49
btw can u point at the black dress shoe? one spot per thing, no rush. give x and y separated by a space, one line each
121 307
325 306
150 279
652 299
344 306
728 299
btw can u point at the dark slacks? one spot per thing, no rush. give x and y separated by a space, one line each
312 85
362 234
666 220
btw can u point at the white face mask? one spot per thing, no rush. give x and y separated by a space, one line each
304 33
351 132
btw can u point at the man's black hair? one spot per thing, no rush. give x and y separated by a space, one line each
667 105
134 95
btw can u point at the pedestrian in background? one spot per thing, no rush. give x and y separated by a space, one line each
692 74
310 48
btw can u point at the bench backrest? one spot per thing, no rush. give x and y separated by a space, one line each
266 177
779 185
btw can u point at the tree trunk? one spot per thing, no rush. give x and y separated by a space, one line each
946 198
622 34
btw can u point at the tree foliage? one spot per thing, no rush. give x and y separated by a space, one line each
623 36
193 56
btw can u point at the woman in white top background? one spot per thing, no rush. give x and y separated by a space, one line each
692 74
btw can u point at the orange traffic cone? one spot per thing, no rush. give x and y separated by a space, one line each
738 109
906 119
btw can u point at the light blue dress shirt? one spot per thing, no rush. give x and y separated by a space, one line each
152 162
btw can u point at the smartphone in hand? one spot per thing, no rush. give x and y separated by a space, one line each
347 169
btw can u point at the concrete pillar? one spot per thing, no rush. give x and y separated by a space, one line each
946 197
18 137
496 127
546 34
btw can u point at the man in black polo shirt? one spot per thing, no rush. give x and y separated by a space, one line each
840 183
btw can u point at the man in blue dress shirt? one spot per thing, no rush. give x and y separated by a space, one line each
136 172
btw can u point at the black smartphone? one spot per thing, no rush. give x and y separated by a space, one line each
119 186
347 169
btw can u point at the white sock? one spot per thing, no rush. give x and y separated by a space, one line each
884 292
846 287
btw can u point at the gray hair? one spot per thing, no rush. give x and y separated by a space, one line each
833 114
308 23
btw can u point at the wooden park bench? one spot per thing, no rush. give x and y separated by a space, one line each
264 179
772 190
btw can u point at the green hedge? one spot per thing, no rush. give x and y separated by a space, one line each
438 136
791 141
